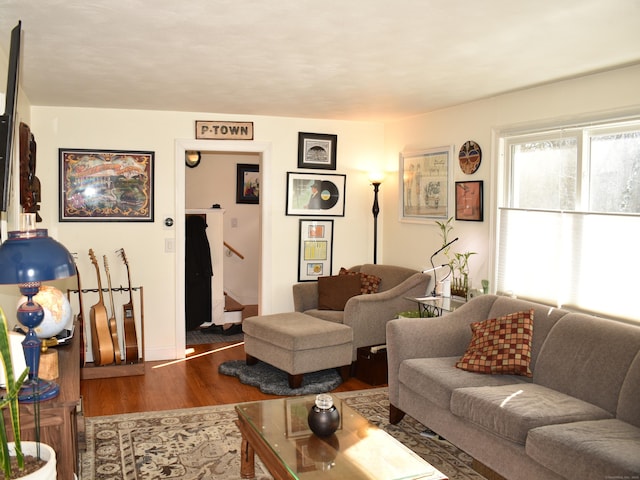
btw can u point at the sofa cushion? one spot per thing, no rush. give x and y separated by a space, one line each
510 411
334 291
597 449
335 316
500 345
368 283
436 378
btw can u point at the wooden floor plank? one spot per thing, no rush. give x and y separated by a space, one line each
192 382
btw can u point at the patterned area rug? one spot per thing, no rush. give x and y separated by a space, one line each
204 443
274 381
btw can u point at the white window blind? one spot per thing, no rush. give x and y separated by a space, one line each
588 261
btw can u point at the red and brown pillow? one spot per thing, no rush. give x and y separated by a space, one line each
334 291
368 283
500 345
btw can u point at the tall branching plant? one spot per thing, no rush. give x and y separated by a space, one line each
10 400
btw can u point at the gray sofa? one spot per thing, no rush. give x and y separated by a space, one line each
368 314
577 417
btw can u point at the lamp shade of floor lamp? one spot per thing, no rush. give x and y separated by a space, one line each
27 258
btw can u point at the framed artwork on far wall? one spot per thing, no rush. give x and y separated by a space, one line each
248 183
469 201
106 185
315 194
316 249
424 184
317 150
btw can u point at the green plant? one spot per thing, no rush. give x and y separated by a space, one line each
459 262
10 400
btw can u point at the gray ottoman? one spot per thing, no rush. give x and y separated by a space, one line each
298 344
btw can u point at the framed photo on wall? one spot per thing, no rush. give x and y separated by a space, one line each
106 185
315 194
469 201
317 150
424 184
316 249
247 183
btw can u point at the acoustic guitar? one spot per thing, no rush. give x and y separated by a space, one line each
80 318
130 336
101 342
113 325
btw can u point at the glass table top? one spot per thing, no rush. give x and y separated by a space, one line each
357 450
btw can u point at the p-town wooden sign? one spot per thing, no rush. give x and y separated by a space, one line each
217 130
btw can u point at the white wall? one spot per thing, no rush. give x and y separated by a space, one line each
360 145
412 244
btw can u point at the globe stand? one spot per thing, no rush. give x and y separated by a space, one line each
31 314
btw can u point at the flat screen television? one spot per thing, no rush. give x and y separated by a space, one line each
8 120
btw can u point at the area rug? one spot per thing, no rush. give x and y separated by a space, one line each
274 381
203 337
204 443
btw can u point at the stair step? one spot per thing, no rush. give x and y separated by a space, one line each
232 305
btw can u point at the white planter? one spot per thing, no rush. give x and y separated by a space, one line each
48 472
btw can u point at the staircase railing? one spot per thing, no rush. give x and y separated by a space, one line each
233 251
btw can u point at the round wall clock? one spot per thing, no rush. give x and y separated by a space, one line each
470 157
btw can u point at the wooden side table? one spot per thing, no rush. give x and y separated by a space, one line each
58 416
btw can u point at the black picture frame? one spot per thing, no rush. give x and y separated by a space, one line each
469 201
317 150
106 185
248 183
316 194
315 257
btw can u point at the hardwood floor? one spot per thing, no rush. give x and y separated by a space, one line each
192 382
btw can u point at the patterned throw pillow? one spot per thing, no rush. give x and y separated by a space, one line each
368 283
500 345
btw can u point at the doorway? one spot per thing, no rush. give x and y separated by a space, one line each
263 149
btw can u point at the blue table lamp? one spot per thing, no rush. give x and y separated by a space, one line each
29 257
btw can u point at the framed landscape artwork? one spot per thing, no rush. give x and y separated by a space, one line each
106 185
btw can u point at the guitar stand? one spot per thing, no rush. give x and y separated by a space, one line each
91 371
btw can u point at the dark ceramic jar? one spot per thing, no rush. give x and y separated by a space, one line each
324 418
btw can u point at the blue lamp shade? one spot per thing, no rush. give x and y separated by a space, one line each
33 256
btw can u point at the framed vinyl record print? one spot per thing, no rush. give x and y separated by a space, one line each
315 194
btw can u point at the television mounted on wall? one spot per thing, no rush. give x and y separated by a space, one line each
8 119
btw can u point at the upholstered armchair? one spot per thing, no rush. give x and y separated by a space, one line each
367 314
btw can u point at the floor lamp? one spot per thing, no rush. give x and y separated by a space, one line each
376 180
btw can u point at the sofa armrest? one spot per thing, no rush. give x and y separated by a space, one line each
367 315
446 336
305 296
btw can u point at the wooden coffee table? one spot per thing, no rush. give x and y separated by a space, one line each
277 431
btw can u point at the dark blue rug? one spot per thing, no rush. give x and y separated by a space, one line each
274 381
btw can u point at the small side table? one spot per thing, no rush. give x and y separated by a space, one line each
436 306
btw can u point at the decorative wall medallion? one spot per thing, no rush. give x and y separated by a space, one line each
470 157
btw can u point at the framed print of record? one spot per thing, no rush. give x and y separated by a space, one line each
315 194
317 150
316 249
469 157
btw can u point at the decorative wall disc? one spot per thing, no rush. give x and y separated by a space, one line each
470 157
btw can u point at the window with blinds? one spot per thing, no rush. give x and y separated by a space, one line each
569 218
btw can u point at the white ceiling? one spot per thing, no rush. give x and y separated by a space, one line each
341 59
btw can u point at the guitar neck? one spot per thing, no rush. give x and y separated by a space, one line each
106 269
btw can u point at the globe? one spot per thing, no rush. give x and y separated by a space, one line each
57 311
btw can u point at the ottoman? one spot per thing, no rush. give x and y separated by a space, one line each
297 344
